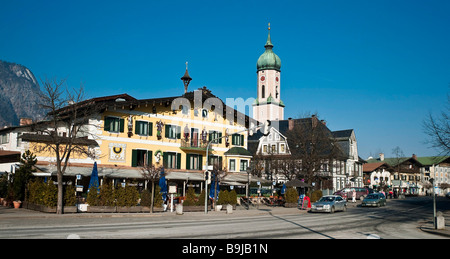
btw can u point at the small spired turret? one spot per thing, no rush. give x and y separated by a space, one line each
186 79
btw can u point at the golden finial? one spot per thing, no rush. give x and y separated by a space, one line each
269 26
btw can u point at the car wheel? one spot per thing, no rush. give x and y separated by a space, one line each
332 210
344 209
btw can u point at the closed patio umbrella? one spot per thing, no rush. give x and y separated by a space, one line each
94 178
163 185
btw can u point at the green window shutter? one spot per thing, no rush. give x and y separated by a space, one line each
107 125
122 125
134 158
188 161
242 140
167 130
220 163
178 132
178 160
200 162
220 137
233 139
150 129
165 159
210 135
136 127
149 157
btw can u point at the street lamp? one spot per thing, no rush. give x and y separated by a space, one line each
434 204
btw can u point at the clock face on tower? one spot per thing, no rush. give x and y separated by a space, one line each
263 78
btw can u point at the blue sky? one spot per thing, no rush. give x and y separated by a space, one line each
378 67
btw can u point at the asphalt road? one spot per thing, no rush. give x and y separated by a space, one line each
400 219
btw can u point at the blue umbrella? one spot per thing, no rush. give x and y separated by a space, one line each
213 187
163 185
94 178
283 189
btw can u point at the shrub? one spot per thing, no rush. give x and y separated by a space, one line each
3 186
291 195
70 198
201 199
93 197
316 195
50 197
107 195
223 197
42 193
36 191
127 196
232 197
146 198
158 200
190 197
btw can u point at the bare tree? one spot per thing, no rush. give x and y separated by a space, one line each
313 149
151 173
218 174
438 129
65 132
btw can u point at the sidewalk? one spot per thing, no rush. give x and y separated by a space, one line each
429 228
6 212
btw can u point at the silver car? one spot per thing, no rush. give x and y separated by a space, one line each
329 203
374 199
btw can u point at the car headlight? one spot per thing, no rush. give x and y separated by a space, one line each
326 206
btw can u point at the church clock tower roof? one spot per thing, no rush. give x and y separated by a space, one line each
268 60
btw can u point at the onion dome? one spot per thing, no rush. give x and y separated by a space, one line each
268 60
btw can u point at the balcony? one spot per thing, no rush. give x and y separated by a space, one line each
188 144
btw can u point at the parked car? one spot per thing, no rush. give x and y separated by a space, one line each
374 199
329 203
361 192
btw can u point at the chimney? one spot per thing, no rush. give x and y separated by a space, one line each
25 121
314 121
381 156
323 122
291 124
414 156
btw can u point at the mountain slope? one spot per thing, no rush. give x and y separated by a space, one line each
19 94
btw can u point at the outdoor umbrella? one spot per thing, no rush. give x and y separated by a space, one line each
163 185
212 191
283 189
94 178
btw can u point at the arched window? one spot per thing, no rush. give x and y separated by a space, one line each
263 91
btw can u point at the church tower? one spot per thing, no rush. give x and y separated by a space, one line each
268 104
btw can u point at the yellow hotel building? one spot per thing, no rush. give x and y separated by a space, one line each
126 133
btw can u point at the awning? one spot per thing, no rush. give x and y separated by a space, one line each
9 156
297 183
186 176
135 173
86 171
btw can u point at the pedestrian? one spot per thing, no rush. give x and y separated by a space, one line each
354 196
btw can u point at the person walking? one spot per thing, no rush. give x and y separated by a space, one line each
354 196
